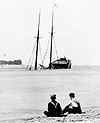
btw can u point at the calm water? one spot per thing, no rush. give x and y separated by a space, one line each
26 93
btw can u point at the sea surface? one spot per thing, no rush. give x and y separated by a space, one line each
25 93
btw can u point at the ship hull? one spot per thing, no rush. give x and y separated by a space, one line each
61 63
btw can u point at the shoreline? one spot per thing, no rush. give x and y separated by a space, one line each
91 115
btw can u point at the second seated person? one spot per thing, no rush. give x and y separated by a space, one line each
73 107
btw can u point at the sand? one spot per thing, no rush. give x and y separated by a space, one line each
88 116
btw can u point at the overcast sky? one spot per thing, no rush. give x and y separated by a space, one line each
76 27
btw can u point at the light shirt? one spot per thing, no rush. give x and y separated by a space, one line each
73 103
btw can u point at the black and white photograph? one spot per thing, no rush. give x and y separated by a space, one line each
49 61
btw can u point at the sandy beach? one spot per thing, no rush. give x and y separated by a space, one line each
88 116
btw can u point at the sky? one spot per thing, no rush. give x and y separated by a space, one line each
76 29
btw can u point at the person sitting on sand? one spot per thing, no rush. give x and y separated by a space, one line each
54 108
73 107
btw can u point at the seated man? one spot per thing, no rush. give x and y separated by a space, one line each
73 107
54 108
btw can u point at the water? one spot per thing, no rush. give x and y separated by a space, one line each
26 93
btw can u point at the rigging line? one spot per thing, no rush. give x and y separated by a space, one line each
40 58
31 54
34 52
33 48
46 51
55 48
40 52
32 60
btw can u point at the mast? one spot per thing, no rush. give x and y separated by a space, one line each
37 43
51 41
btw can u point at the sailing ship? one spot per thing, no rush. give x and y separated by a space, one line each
60 63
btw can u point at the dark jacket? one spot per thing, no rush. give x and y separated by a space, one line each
54 109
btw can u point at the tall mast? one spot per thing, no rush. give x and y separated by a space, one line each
37 43
51 41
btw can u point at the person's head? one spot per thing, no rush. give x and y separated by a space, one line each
72 95
53 97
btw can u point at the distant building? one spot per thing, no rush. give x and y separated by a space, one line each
15 62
